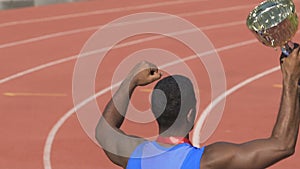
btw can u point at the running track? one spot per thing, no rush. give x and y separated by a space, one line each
38 48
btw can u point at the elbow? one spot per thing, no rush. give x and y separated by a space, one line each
289 151
283 147
285 152
286 149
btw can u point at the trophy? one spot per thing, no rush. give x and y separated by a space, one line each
274 23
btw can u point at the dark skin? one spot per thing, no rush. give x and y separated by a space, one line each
256 154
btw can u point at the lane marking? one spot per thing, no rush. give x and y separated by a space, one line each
215 102
43 66
37 68
13 94
277 85
56 62
94 28
98 12
61 121
48 36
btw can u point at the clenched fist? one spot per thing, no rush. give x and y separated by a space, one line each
144 73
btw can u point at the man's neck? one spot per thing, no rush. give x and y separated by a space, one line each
174 134
168 141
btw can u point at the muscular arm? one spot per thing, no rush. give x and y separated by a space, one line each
117 145
261 153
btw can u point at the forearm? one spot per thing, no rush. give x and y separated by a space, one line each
115 110
287 124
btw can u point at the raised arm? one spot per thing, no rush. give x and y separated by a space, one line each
261 153
117 145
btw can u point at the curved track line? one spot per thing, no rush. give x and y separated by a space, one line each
214 103
61 121
28 71
48 36
37 68
93 28
98 12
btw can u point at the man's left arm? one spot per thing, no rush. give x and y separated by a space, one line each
117 145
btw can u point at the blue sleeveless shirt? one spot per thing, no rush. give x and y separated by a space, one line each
151 155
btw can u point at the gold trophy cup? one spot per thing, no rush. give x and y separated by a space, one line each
274 23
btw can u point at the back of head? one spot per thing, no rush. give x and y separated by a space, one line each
172 99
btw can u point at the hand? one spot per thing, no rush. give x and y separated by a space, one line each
290 66
144 73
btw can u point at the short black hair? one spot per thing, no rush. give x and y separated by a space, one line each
172 98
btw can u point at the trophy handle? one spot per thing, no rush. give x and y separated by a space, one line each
287 48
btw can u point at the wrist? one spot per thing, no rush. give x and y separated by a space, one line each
290 83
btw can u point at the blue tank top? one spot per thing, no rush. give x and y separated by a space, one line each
151 155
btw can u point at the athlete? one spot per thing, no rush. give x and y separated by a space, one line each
174 105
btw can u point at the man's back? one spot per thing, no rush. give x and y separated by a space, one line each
149 155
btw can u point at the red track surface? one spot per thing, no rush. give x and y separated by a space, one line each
27 120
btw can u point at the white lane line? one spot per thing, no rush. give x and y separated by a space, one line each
94 28
215 102
28 71
98 12
37 68
48 36
61 121
220 10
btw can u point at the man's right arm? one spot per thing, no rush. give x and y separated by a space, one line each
261 153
